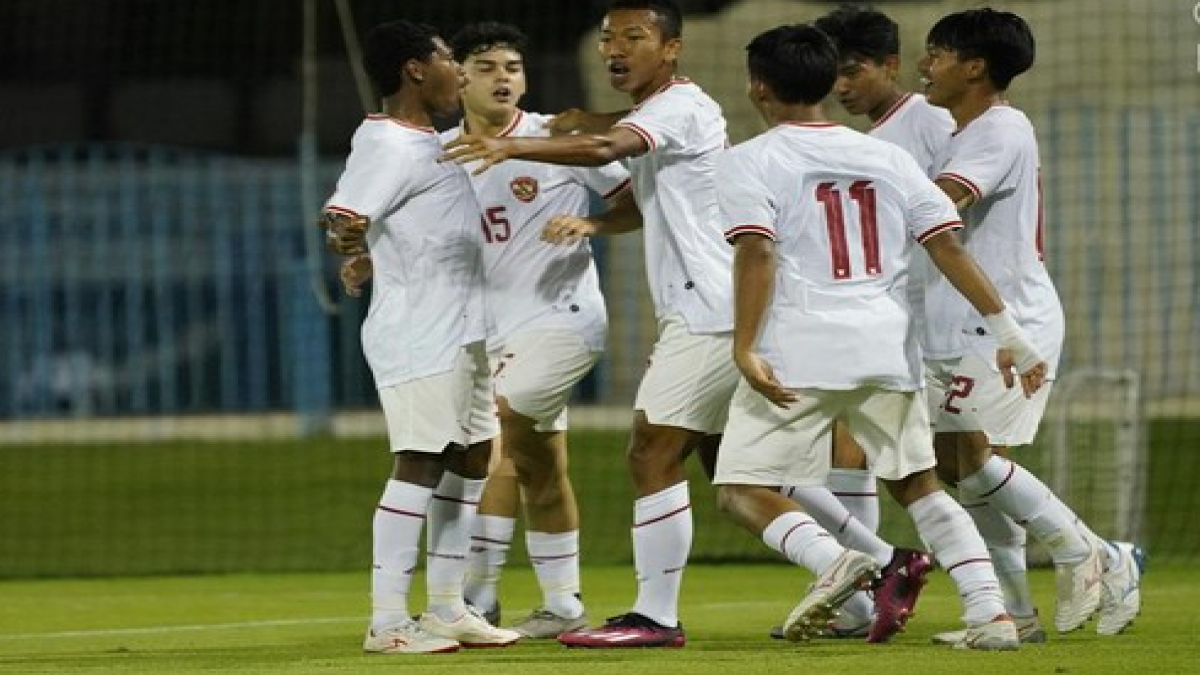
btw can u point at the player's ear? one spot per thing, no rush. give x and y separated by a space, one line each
414 70
891 64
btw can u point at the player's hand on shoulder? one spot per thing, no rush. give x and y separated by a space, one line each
354 272
567 229
485 150
761 378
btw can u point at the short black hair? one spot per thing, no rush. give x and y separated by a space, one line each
1002 39
391 45
798 62
483 36
670 17
861 31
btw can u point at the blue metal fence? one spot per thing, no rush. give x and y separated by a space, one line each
148 280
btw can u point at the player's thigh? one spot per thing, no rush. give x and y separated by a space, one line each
481 421
766 445
536 372
892 427
689 380
977 400
427 414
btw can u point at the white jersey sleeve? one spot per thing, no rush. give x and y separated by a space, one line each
746 203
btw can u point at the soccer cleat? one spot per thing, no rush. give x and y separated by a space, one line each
1121 591
897 592
626 630
1078 586
851 571
542 624
999 634
1029 631
470 630
841 628
406 638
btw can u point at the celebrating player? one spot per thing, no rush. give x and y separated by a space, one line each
669 141
550 330
423 339
990 168
824 220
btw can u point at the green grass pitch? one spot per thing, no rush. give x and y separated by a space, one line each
313 623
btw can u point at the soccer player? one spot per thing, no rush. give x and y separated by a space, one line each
824 220
669 141
422 339
550 330
990 169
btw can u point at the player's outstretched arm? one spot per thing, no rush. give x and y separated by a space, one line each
576 121
574 150
1016 351
753 283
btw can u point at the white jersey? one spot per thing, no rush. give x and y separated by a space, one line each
424 239
919 127
845 211
532 284
922 130
687 262
996 157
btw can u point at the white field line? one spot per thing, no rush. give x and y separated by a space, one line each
267 623
152 630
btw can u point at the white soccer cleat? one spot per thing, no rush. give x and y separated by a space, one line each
1078 586
1029 631
406 638
1121 592
999 634
850 572
543 624
470 630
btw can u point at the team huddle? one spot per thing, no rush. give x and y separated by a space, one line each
834 308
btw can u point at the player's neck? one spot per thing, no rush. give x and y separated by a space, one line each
974 104
481 124
411 112
651 87
778 113
893 97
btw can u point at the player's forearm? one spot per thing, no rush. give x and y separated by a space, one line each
753 284
622 216
578 150
964 273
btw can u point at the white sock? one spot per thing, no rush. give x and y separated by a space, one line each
396 545
1112 557
1025 499
857 491
662 539
820 503
489 552
451 520
947 530
555 560
803 541
1006 544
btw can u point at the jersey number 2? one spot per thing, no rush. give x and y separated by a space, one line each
863 194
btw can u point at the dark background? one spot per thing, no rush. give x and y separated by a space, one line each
224 74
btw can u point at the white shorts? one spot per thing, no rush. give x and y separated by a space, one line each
536 371
427 414
974 398
689 379
771 446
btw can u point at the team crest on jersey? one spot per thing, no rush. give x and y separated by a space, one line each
524 188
